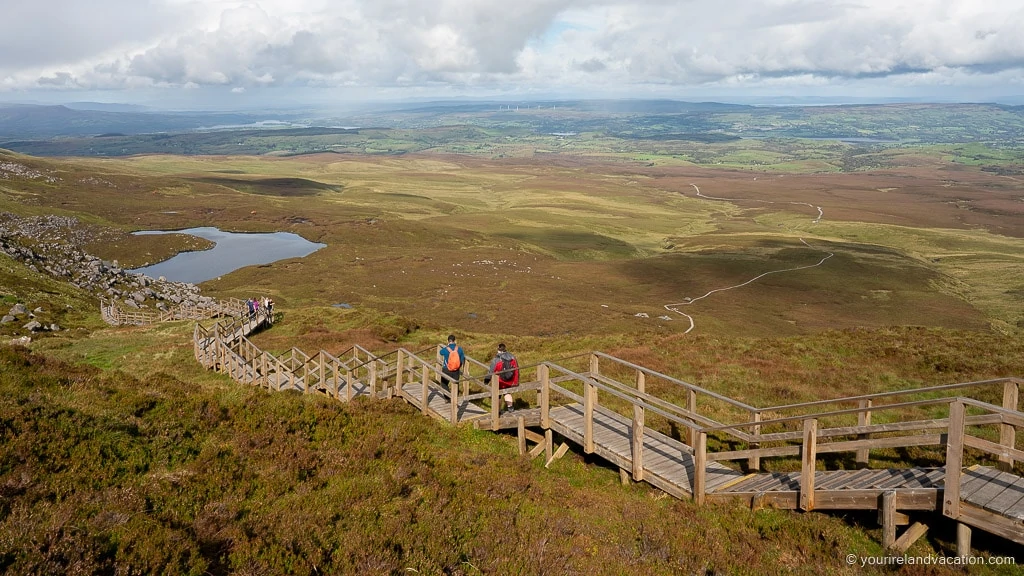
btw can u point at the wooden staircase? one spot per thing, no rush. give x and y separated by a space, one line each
660 430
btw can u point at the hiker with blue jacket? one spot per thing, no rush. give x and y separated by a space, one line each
505 366
452 361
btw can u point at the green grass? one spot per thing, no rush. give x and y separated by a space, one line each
103 472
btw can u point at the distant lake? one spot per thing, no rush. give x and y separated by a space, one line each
230 252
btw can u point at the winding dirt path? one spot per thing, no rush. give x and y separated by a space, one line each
690 301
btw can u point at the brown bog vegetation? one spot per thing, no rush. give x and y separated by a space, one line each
151 465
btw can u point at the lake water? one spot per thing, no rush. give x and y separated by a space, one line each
231 252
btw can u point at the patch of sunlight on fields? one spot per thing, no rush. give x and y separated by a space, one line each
984 269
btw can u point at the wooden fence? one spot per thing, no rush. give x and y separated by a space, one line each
647 422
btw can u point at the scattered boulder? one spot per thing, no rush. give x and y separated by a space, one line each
32 326
7 319
23 341
131 304
18 310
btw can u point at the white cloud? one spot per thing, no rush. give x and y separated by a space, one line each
553 45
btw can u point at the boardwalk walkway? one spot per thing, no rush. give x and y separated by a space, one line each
659 429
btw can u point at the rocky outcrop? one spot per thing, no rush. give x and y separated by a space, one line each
50 244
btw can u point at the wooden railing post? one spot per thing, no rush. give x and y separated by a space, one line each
888 518
322 374
398 372
637 431
863 457
589 403
426 391
544 375
1007 432
216 345
453 388
954 460
371 368
754 462
350 389
691 405
594 366
700 464
809 454
494 402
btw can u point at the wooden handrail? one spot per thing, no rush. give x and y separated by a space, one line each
684 384
878 395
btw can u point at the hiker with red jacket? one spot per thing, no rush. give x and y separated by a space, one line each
452 361
506 368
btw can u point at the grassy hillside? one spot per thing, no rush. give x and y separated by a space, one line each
102 472
105 473
119 453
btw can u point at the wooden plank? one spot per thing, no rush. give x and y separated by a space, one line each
543 373
537 450
1009 528
691 405
888 513
973 479
1007 432
846 479
837 499
863 419
808 459
985 492
911 535
1005 454
754 462
533 436
765 481
963 540
898 479
589 400
734 482
1005 499
637 431
700 467
521 435
558 454
921 499
954 460
717 478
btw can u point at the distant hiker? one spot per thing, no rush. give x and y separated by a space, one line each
452 361
252 309
270 309
506 367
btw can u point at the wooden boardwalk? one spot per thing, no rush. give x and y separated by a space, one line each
596 409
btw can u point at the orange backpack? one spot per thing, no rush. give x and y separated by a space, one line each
454 362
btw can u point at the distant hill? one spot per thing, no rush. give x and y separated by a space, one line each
107 107
88 119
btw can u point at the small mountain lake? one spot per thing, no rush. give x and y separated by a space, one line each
231 251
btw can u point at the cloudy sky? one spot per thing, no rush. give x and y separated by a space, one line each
137 50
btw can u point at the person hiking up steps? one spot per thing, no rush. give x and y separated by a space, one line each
452 361
506 368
